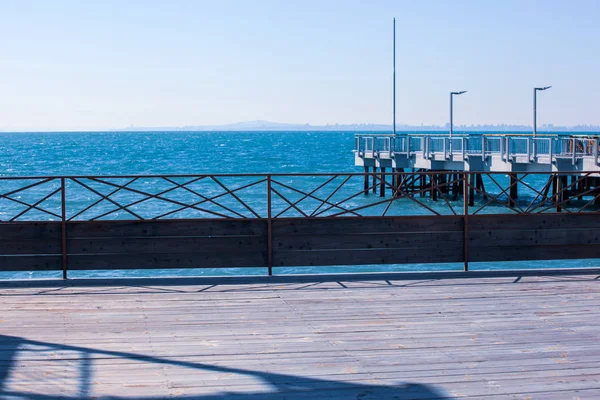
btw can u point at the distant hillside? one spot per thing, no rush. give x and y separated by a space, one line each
260 125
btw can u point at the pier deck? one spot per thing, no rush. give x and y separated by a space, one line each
530 337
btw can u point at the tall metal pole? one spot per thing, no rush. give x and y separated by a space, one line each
534 112
451 117
394 77
535 107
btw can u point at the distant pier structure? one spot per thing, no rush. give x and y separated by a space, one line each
563 156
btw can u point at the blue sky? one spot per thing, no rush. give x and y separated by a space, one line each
111 64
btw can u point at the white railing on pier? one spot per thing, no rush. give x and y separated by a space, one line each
521 148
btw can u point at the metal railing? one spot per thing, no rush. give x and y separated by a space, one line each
156 197
523 148
78 202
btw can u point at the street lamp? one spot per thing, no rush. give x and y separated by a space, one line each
535 90
451 112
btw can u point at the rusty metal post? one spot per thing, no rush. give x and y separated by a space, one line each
63 227
269 228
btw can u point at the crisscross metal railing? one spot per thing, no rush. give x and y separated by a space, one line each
156 197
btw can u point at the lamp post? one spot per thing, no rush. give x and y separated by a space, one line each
452 114
535 90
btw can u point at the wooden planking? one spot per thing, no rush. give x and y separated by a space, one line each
30 238
351 241
533 237
30 246
366 241
299 241
170 244
162 228
231 259
30 263
334 226
419 339
437 254
29 230
43 245
533 252
534 221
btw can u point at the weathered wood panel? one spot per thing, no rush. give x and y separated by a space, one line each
334 226
534 221
30 263
168 244
29 230
161 228
533 252
222 259
214 243
30 246
533 237
223 243
286 258
352 241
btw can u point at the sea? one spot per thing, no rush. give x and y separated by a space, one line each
174 153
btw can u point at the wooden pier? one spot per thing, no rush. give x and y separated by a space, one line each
567 157
462 334
302 338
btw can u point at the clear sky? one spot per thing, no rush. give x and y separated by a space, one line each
115 63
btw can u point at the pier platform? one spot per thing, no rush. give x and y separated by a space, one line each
376 337
482 152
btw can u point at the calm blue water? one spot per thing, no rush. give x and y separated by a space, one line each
122 153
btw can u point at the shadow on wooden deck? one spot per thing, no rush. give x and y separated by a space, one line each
280 386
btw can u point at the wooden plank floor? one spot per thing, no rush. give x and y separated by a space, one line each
482 338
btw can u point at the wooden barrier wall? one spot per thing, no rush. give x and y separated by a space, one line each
223 243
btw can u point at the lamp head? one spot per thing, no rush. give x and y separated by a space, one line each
457 93
543 88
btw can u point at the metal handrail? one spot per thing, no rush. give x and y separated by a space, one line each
507 146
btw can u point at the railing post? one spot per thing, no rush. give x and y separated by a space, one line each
466 221
528 150
482 148
63 218
574 152
595 151
269 228
445 149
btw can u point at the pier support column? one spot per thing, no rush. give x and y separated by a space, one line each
422 183
580 188
366 185
433 183
471 189
480 185
514 190
374 180
393 179
559 194
399 181
554 196
382 183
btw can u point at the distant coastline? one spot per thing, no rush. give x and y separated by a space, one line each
277 126
268 126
